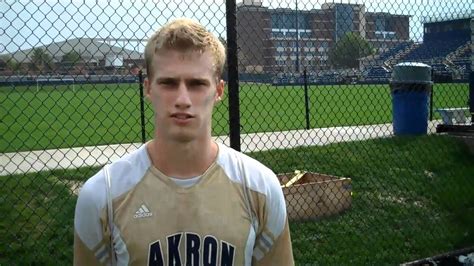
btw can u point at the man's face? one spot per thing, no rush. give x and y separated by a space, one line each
183 90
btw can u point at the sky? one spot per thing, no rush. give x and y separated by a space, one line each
26 24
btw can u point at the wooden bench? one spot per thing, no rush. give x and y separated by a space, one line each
453 116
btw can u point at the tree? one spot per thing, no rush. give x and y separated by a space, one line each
71 58
13 64
41 60
348 50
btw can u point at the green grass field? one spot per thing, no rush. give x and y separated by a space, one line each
412 198
56 117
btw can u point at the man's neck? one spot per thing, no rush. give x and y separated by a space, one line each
182 160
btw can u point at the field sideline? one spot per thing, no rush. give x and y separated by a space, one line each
95 114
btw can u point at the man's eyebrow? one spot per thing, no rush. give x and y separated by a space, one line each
200 80
161 79
175 79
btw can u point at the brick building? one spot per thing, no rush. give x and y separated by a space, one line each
286 40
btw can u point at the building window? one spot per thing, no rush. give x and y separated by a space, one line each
287 20
386 35
344 20
379 24
305 34
278 34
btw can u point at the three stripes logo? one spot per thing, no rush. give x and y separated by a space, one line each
143 212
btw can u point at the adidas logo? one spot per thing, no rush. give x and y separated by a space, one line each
142 212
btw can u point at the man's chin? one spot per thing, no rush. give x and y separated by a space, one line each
183 137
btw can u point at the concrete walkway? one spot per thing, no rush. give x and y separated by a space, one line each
42 160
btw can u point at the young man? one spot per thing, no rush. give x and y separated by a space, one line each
182 199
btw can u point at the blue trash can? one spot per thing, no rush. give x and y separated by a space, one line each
410 89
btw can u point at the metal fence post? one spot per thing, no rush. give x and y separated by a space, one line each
431 103
306 98
233 75
471 96
431 97
142 105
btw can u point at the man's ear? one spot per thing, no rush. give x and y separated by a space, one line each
147 87
220 90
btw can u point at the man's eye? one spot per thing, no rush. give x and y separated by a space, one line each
198 83
166 82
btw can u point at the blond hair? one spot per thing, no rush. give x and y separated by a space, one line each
184 35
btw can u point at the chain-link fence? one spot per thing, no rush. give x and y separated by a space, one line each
312 101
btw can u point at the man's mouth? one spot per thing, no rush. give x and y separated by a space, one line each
181 116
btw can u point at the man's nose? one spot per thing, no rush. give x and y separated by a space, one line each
183 100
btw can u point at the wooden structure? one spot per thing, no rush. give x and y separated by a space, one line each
311 195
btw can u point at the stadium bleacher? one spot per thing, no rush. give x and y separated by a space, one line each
395 50
464 65
61 79
438 45
380 74
434 51
440 68
377 74
465 54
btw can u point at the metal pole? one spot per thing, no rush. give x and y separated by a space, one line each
471 77
431 103
297 42
233 75
335 23
471 96
306 98
431 96
142 105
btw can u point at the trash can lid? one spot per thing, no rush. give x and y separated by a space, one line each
411 72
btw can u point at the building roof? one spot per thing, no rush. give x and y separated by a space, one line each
88 48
